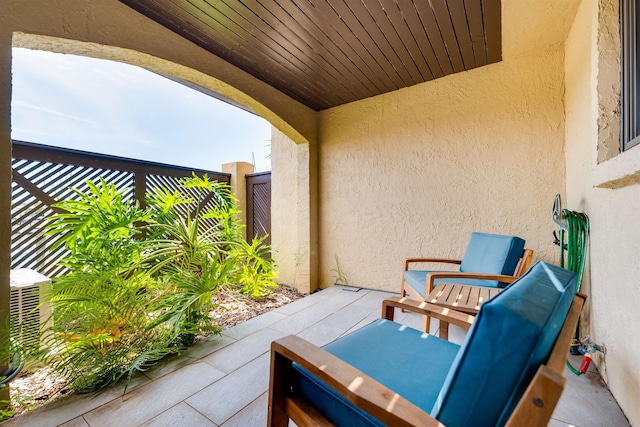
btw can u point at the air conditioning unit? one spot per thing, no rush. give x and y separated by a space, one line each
27 310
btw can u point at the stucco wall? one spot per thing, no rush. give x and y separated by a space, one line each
284 208
611 317
414 172
294 211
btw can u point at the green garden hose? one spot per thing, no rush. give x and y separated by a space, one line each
573 253
572 257
574 370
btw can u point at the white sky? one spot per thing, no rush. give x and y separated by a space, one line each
113 108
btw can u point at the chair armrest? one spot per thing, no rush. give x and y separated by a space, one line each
539 399
431 277
421 307
359 389
469 275
524 263
443 260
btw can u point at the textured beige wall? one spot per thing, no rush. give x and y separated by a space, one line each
592 122
293 212
291 258
414 172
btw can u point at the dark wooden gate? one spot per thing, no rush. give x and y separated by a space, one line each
259 205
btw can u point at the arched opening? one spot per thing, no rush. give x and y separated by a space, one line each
113 108
165 67
111 30
294 122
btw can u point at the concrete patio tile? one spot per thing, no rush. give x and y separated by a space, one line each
310 300
556 423
303 319
208 345
456 334
253 325
180 415
374 299
589 393
327 292
224 398
190 355
297 306
71 407
370 318
154 398
401 317
243 351
169 364
254 415
76 422
334 325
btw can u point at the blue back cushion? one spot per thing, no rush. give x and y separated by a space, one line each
512 335
492 254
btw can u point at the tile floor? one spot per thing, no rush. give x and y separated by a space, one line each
223 381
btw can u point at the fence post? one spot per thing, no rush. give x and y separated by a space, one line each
5 191
238 170
140 188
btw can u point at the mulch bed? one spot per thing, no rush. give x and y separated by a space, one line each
32 389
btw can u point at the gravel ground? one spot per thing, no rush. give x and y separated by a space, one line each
32 389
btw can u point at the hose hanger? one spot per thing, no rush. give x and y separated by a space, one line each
556 213
574 229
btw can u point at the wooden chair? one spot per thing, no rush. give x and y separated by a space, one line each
508 371
491 260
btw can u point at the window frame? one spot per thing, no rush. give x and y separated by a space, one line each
630 77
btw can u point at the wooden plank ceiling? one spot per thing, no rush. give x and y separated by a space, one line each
325 53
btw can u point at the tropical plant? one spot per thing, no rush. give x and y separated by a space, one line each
256 274
6 410
141 282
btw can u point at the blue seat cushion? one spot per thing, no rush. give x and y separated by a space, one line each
492 254
512 335
409 362
417 279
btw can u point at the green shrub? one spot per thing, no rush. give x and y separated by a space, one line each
141 281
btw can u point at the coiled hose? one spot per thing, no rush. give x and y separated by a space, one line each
573 254
576 246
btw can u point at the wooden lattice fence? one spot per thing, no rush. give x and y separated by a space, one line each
44 175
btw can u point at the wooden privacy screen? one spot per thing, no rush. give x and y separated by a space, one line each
44 175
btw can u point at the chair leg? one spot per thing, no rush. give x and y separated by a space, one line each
443 330
277 416
426 323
